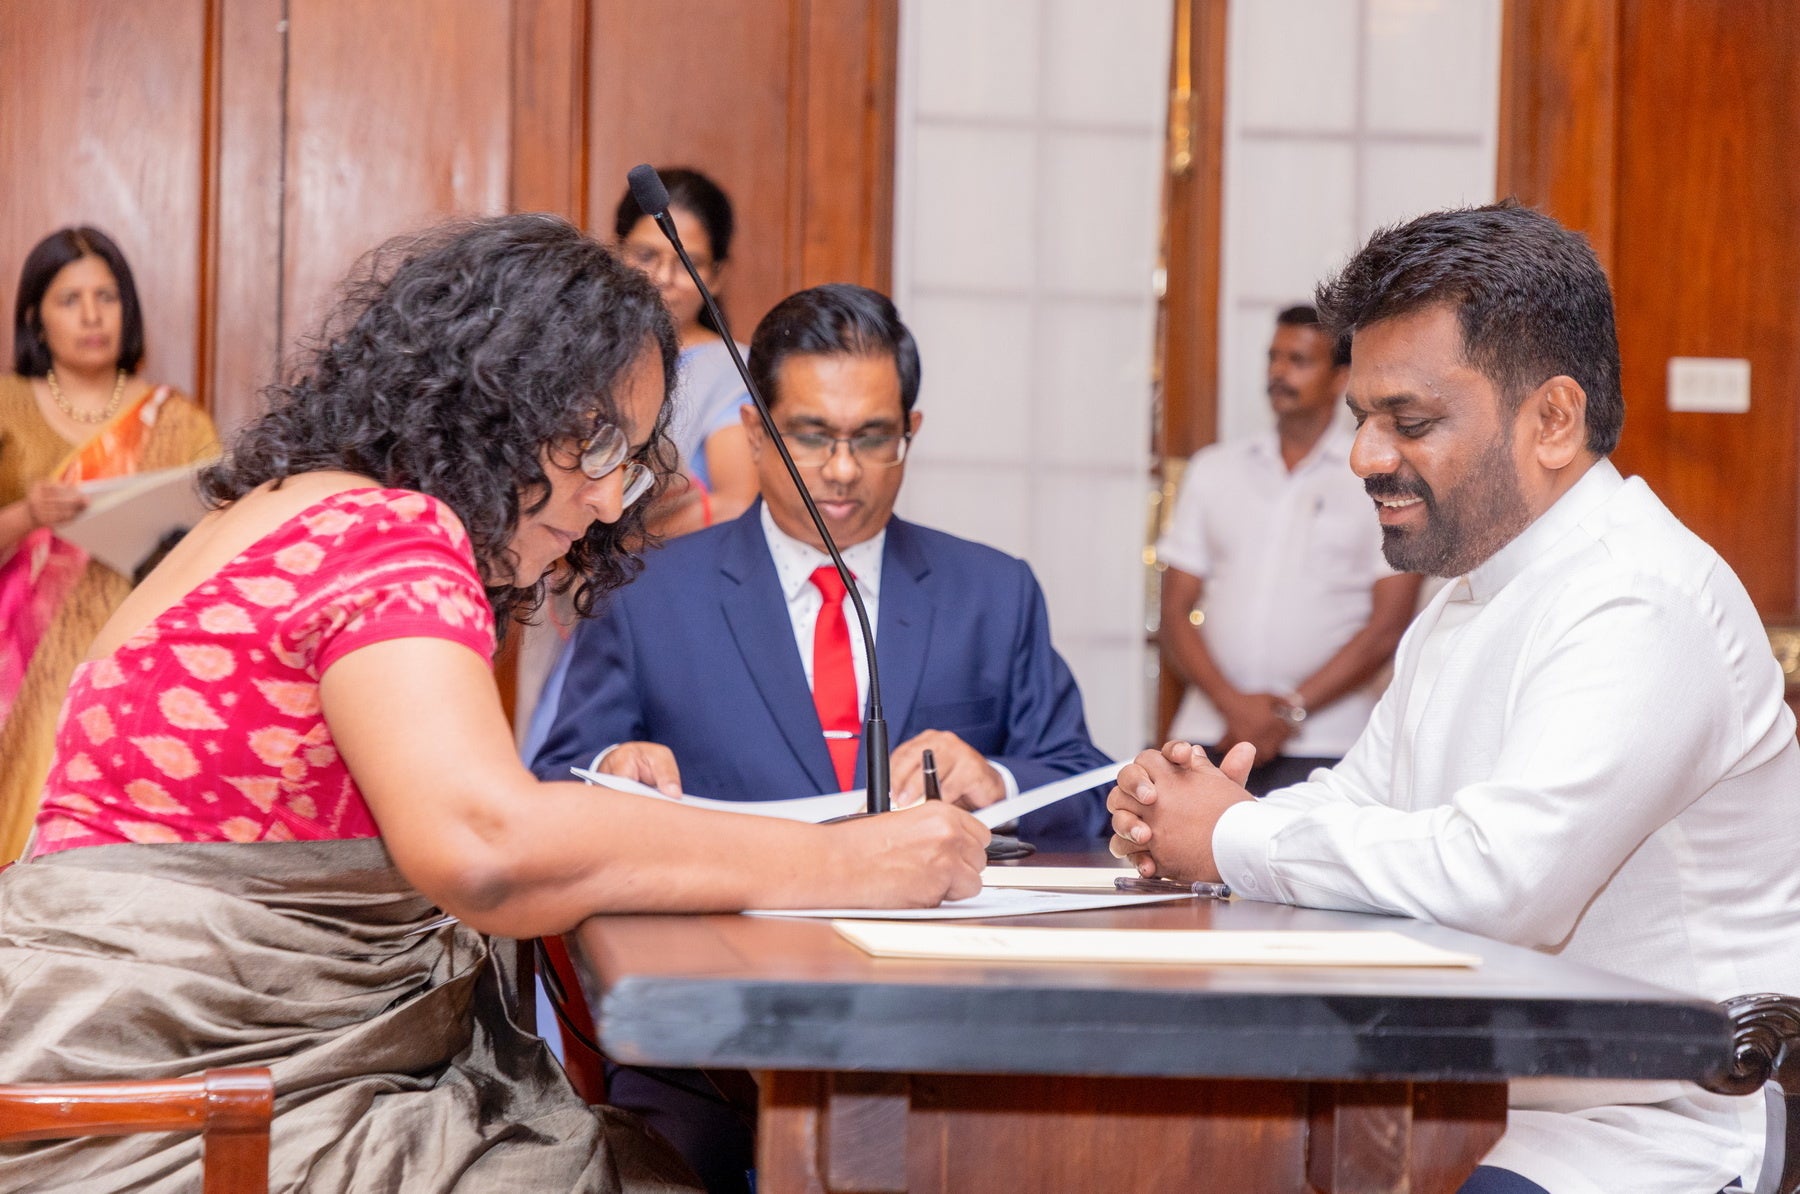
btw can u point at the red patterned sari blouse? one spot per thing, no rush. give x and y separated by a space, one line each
205 725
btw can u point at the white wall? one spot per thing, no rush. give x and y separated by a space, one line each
1341 116
1027 189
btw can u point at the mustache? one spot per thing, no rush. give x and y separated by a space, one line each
1393 485
1277 389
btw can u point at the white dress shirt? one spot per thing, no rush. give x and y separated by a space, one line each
794 565
1288 560
1584 750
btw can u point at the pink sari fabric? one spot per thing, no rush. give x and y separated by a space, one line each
44 569
205 726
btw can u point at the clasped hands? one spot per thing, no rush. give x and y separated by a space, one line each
1166 804
965 778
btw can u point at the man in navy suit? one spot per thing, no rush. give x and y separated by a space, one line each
700 674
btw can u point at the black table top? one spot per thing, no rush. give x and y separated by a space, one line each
784 994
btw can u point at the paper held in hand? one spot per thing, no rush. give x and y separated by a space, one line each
1193 947
840 804
127 516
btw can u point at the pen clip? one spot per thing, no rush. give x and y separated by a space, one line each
929 762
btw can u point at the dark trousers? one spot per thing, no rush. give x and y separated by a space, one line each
688 1108
1489 1180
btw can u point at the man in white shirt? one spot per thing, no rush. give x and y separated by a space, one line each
1584 749
1277 607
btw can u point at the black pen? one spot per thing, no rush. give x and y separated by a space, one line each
1141 886
931 784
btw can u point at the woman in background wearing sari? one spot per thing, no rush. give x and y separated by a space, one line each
73 411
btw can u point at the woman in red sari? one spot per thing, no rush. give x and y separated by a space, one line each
285 813
73 411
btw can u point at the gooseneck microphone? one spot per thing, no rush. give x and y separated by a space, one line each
652 199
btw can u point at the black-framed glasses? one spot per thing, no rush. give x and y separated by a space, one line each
654 259
606 450
871 449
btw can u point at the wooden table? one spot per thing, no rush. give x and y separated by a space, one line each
889 1075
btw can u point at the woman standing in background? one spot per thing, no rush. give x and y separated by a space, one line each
73 410
715 452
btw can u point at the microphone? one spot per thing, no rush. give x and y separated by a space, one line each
652 199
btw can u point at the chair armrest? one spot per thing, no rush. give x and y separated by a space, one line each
231 1108
1765 1047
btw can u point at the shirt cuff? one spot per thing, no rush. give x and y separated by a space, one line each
1243 841
1007 778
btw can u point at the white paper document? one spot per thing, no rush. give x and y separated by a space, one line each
1059 878
1193 947
993 901
126 516
840 804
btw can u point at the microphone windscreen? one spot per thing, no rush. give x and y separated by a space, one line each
648 190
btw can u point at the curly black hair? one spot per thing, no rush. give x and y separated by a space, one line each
454 361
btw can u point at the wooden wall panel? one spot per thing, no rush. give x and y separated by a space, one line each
398 115
788 105
101 123
1664 129
242 335
717 102
1708 264
1559 112
549 107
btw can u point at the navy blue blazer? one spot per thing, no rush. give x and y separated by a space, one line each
698 654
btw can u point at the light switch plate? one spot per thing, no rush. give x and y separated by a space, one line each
1713 385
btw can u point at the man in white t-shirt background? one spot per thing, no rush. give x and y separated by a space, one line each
1278 609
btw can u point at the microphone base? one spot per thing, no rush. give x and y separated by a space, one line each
1001 848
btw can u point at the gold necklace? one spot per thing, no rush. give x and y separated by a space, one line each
62 404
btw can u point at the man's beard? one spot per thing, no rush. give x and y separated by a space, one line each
1465 527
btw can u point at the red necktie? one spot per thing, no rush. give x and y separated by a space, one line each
834 678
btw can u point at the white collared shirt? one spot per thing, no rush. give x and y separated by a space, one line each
794 565
1288 561
1584 750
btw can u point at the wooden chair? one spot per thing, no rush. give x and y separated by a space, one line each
1765 1048
582 1059
230 1108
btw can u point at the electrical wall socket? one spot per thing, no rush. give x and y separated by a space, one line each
1713 385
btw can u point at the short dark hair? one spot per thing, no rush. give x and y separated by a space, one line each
837 319
31 352
454 361
1529 295
693 191
1305 315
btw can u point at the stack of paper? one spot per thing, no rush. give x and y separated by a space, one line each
1202 947
992 901
840 804
127 516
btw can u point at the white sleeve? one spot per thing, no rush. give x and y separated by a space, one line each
1623 712
1183 541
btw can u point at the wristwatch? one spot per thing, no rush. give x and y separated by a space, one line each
1291 708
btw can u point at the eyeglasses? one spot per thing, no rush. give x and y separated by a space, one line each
871 449
654 259
605 451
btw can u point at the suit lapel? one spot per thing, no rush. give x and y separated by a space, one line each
904 632
757 614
